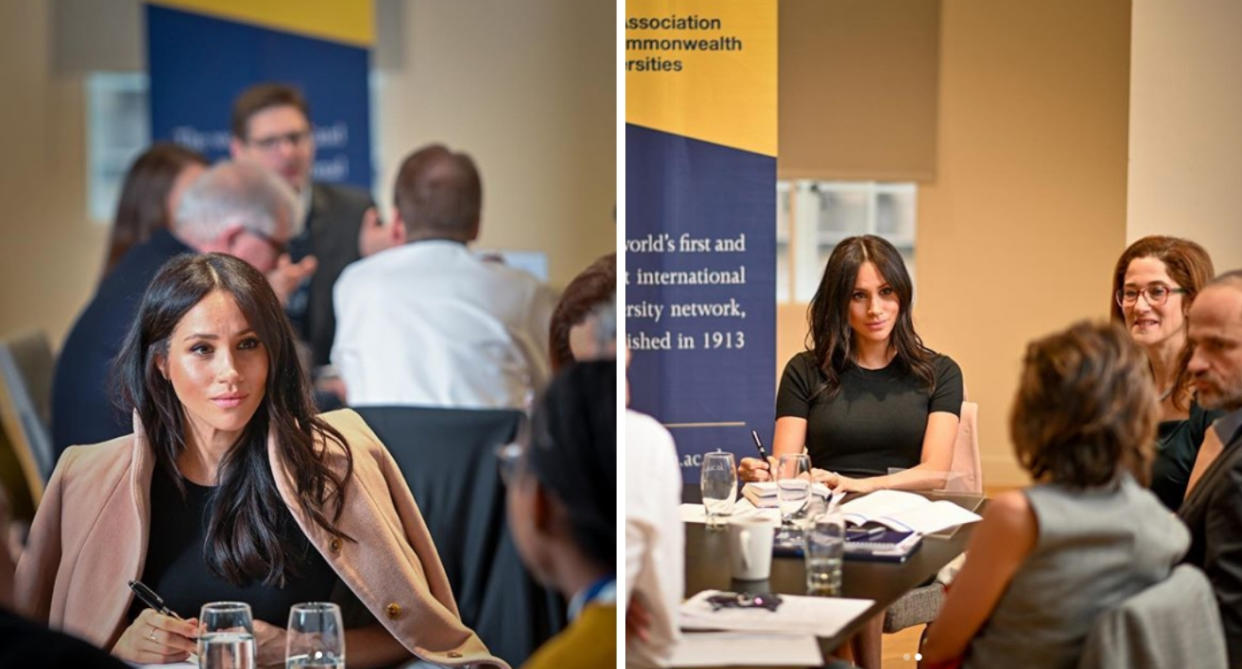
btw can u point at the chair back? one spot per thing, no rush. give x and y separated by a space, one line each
965 470
447 457
25 405
1174 623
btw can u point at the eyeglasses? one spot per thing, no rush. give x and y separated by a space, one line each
744 600
279 247
1156 294
296 138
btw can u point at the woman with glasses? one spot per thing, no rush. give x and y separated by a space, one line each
231 488
868 397
1154 282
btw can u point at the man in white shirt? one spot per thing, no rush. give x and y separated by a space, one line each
429 323
654 539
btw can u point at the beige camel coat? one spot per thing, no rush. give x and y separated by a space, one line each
89 538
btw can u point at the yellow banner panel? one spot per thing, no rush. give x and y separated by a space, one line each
704 69
349 21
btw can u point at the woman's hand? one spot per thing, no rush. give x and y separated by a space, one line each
754 469
825 477
270 640
847 484
155 638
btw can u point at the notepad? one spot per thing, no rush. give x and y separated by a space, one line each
819 616
906 512
764 494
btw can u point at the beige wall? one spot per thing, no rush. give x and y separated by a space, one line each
1185 129
527 88
52 254
1028 211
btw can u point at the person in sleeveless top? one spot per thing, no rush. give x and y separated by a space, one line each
1087 535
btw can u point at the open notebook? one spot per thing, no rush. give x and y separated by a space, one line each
906 512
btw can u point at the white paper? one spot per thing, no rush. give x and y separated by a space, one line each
768 489
712 649
905 511
817 616
695 513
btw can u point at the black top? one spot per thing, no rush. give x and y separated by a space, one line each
82 410
876 420
176 568
1177 445
27 644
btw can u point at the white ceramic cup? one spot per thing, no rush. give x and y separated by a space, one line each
750 548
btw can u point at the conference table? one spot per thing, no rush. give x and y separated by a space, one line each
707 567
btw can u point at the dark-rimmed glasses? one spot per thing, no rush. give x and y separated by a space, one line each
278 247
744 600
296 138
1156 294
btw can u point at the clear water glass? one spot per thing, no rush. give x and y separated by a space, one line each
718 482
793 488
315 638
824 548
226 636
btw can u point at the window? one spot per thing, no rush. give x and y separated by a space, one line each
814 216
117 130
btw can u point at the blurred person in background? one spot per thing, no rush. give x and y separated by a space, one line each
150 195
237 208
429 322
562 502
580 329
271 125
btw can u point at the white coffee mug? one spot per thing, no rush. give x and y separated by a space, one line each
750 548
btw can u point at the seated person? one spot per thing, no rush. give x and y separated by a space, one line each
1213 508
230 488
1154 283
584 323
562 502
1047 559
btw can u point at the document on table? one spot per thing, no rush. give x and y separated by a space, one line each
712 649
694 513
817 616
906 511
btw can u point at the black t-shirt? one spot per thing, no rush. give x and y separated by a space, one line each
176 566
1177 446
877 419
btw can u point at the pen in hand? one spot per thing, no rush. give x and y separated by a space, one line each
762 453
148 597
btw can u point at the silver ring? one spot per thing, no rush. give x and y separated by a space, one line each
151 636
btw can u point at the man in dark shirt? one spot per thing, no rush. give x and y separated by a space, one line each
1213 509
271 126
236 208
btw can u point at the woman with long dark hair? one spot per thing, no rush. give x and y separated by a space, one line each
867 396
1154 283
231 488
149 196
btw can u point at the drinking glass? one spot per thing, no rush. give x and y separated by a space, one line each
793 488
315 638
824 547
226 636
718 481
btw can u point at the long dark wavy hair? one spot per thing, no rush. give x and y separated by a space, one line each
246 517
143 206
832 338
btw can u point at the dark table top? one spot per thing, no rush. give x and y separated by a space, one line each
707 567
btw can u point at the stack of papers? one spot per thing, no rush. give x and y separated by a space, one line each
695 513
763 494
797 615
906 512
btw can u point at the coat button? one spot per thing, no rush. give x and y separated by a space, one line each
393 610
335 545
454 654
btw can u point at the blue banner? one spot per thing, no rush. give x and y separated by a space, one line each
199 64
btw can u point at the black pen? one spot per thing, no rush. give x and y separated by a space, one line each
148 597
759 445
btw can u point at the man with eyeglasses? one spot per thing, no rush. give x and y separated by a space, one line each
237 208
271 126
